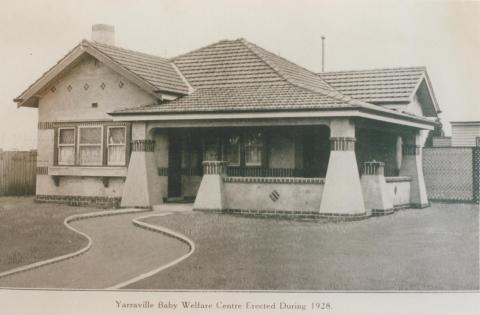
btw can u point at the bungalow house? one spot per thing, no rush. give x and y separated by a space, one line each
230 126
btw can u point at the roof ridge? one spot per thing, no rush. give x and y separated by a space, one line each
127 50
98 48
255 49
262 58
172 59
332 92
375 69
93 45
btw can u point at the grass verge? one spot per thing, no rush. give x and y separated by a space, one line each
31 232
427 249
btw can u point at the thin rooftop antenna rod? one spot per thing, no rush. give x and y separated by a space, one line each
323 53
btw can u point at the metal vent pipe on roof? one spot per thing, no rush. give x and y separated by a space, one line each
103 34
323 53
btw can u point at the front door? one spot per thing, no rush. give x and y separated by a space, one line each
316 151
174 166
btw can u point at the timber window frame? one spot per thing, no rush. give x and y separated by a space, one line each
233 142
98 145
63 146
246 142
254 142
112 145
102 159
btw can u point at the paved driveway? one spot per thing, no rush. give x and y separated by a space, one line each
120 251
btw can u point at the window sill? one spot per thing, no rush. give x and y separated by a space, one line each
92 171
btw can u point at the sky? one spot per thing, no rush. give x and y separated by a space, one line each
444 36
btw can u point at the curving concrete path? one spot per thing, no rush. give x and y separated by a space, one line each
120 252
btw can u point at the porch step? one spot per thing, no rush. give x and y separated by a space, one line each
173 207
179 199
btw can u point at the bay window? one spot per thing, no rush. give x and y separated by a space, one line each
90 145
94 145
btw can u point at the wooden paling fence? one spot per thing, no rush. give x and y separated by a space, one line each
17 173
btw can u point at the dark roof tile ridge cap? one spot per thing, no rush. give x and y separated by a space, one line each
259 55
190 88
254 47
172 59
332 93
166 60
423 68
328 92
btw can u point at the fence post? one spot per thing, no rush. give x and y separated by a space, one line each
476 174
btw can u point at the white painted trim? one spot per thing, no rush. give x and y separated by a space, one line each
425 78
211 117
415 89
432 94
396 121
237 115
50 74
88 171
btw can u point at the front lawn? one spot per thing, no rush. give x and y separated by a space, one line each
31 232
429 249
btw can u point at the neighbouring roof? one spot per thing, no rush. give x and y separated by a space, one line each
380 86
465 123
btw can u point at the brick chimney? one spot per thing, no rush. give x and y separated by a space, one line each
103 34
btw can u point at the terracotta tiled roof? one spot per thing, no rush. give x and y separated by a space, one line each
278 96
238 75
377 86
225 63
290 71
239 62
157 71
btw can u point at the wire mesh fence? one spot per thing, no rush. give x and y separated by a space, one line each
452 173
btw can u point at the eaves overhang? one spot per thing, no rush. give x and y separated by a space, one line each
389 116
